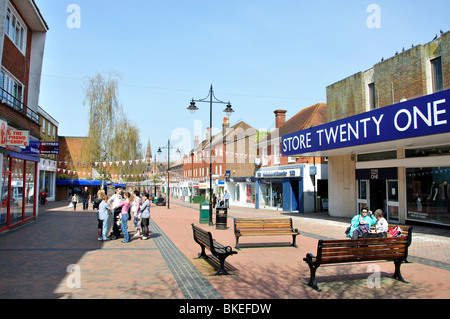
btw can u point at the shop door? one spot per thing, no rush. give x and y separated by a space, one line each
5 190
392 200
377 195
363 193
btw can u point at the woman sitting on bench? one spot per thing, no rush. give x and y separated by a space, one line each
361 223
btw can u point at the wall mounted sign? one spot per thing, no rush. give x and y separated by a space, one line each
426 115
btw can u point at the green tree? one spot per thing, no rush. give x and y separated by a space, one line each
112 137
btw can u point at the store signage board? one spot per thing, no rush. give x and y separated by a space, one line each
17 138
3 133
426 115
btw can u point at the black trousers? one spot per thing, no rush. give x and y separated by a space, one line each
144 226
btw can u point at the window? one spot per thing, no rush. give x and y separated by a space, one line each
276 154
264 157
436 70
12 91
43 125
372 103
427 194
15 30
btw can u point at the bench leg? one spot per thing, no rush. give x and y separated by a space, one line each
397 274
202 254
312 279
237 242
222 270
294 237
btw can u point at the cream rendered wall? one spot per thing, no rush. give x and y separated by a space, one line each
342 186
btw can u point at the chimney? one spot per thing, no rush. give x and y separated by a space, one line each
280 117
195 141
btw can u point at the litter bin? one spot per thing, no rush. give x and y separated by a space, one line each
221 217
204 213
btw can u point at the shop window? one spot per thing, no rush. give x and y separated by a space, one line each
378 156
428 194
4 165
30 192
17 188
424 152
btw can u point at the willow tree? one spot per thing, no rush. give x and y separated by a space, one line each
111 136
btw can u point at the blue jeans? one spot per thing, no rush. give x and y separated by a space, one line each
124 227
105 227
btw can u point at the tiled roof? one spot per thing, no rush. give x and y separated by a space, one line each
314 115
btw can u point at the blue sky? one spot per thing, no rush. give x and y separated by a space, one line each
261 55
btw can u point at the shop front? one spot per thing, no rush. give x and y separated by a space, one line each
19 168
395 158
280 188
242 190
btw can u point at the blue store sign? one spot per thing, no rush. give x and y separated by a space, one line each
427 115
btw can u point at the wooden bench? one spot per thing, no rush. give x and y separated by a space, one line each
264 227
205 240
406 232
356 250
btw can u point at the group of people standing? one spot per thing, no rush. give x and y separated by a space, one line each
131 206
221 200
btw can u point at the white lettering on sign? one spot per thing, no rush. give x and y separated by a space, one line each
430 119
346 132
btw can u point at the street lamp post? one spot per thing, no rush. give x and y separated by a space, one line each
168 147
228 110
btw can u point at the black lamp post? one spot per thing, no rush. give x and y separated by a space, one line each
168 147
228 110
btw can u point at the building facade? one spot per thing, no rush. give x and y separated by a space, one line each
293 183
388 137
23 31
49 150
232 154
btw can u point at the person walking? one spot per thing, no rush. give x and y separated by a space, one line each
145 216
125 204
136 214
86 198
74 201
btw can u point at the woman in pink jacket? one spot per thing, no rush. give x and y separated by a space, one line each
123 216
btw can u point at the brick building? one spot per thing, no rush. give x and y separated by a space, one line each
49 151
291 183
233 154
23 31
387 137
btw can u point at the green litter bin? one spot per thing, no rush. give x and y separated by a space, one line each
204 213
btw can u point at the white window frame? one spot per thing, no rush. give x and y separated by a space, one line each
264 158
276 154
10 84
14 24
